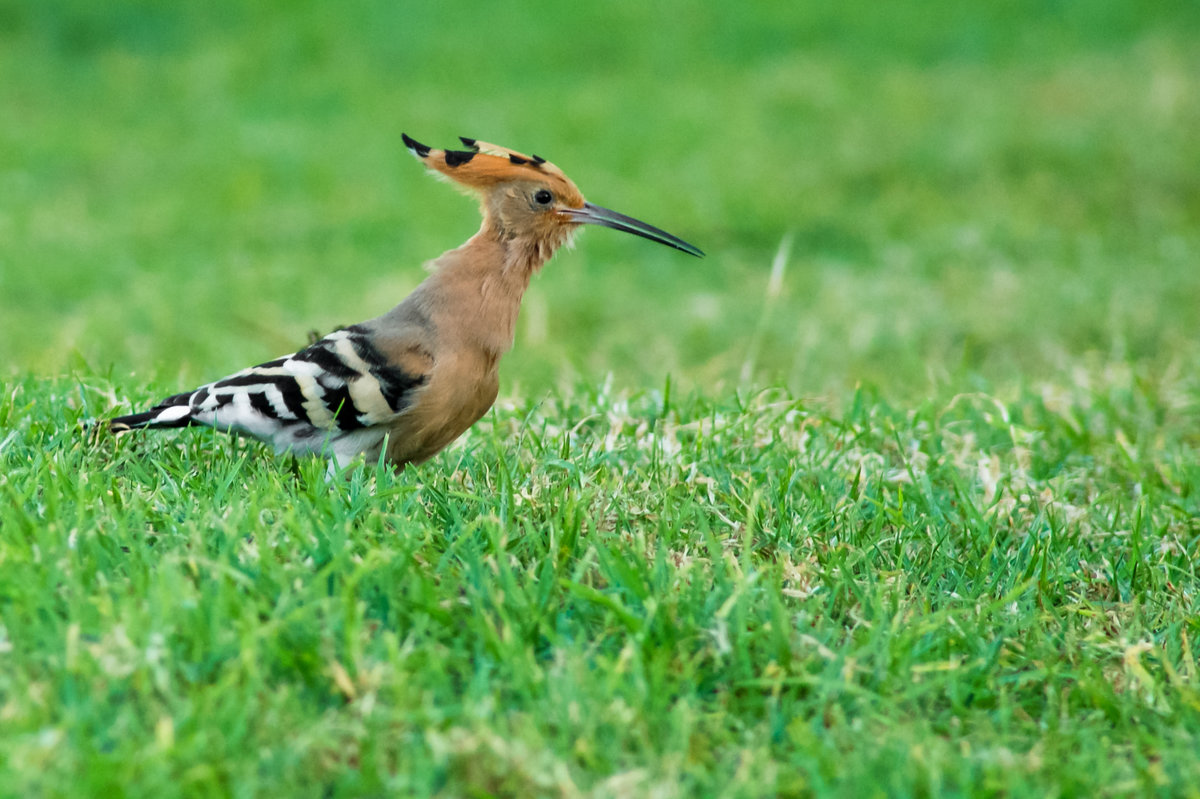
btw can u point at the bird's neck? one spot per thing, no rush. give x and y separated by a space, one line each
483 282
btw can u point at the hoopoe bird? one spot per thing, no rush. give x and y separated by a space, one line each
406 384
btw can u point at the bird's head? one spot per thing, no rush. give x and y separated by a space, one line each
527 198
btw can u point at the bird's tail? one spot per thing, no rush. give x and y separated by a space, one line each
171 412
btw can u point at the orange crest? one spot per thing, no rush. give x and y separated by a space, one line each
484 166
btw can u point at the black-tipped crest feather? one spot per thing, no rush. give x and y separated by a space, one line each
414 145
458 157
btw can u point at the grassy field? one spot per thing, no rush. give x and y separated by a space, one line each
896 493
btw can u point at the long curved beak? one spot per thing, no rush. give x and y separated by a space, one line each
595 215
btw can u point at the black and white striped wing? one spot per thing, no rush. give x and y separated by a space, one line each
338 394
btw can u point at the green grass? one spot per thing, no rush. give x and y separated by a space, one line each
915 516
616 595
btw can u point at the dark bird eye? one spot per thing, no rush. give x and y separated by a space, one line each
543 197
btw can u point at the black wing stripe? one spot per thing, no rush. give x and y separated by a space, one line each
260 403
174 400
293 398
286 385
397 386
248 379
395 383
368 351
327 360
345 412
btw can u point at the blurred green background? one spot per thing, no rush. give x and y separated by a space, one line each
971 191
